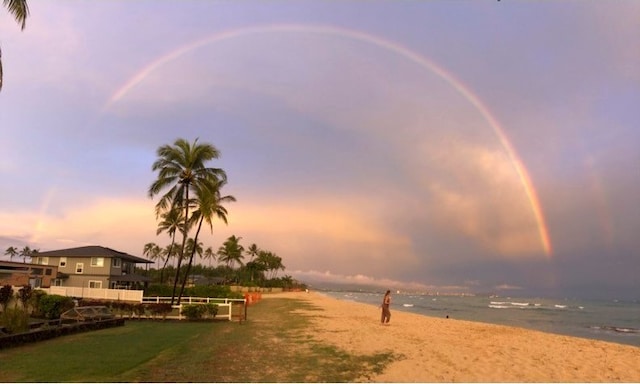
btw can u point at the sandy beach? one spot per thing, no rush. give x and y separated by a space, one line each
450 350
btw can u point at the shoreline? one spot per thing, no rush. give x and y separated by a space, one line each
447 350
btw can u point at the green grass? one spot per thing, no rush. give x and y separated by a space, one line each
275 345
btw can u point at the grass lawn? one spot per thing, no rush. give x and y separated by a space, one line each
275 345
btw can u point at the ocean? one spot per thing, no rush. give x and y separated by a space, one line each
613 321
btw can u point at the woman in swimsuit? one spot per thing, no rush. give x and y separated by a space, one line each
386 314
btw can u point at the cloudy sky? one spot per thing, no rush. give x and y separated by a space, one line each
476 146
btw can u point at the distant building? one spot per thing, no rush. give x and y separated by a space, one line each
21 274
94 267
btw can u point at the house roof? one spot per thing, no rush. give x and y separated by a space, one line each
93 251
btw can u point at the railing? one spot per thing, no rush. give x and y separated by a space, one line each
224 304
97 293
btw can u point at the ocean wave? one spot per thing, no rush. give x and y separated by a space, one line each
609 328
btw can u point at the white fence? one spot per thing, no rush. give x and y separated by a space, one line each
97 293
225 306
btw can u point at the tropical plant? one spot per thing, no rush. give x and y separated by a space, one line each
182 168
19 10
24 294
253 251
52 306
230 251
6 294
11 252
171 222
209 254
25 252
153 251
209 203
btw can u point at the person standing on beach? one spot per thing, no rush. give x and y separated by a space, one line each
386 314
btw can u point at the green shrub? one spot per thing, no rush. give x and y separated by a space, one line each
34 302
162 309
211 309
52 306
220 291
15 320
6 294
140 309
24 294
193 311
159 290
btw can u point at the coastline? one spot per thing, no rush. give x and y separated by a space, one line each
448 350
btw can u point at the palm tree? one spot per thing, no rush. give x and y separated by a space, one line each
25 252
167 253
153 251
20 11
181 168
171 221
209 203
253 266
11 251
209 254
230 251
253 251
271 262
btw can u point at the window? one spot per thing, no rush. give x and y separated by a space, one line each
79 267
47 272
97 261
116 262
63 262
37 271
44 260
57 282
95 284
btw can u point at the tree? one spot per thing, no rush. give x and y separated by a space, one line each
253 251
230 251
209 254
209 205
19 10
171 221
25 252
153 251
271 262
182 168
253 266
11 252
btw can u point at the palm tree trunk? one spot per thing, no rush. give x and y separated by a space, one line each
193 251
173 241
184 242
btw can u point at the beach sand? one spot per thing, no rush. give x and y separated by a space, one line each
448 350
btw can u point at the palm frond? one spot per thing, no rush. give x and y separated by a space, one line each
19 10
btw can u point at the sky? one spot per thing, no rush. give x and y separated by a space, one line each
443 146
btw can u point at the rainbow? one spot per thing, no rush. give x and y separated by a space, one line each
382 43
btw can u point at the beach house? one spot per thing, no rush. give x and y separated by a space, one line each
21 274
94 267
